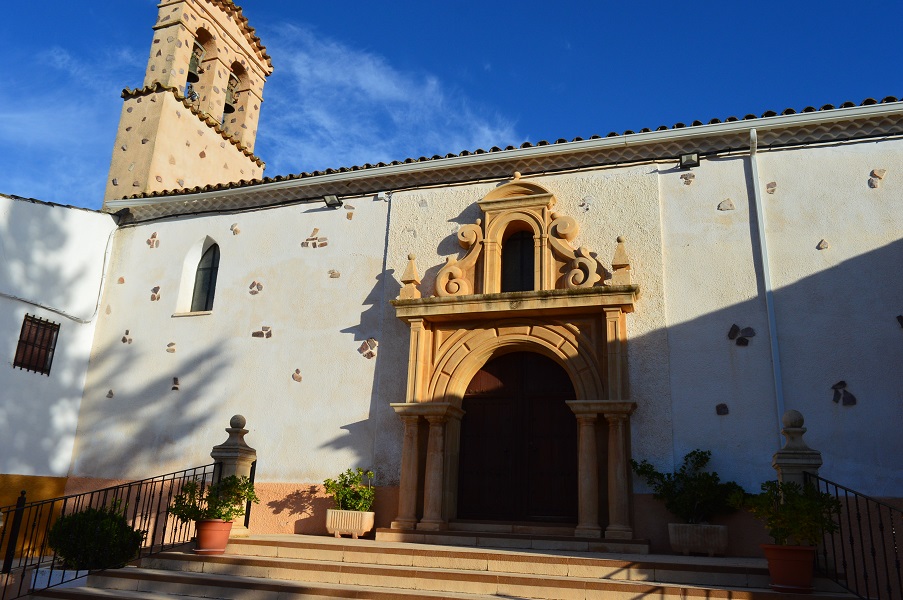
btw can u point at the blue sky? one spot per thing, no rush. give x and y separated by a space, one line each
360 82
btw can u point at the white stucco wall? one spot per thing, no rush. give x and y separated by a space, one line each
698 270
51 255
835 310
303 431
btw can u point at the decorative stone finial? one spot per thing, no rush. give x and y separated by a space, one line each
238 422
793 418
620 264
410 279
516 175
795 459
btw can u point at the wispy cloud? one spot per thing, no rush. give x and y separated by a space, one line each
56 138
330 105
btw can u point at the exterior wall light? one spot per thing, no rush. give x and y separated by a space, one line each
332 202
690 160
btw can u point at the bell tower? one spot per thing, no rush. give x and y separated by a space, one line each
194 121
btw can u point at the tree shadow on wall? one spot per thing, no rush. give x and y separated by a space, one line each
307 505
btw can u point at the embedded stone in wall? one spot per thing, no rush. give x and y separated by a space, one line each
770 187
110 394
126 339
255 288
155 293
263 332
423 204
234 229
368 348
175 384
586 203
741 336
822 245
315 241
726 205
152 241
876 176
333 274
842 394
171 347
121 280
350 214
297 375
688 178
721 410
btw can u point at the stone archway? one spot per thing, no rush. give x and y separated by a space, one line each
570 317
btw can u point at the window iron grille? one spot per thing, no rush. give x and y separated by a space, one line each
37 342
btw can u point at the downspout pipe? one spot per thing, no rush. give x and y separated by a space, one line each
769 291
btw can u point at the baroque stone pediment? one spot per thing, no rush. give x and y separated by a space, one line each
527 208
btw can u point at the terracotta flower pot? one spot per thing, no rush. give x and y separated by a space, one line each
791 567
212 536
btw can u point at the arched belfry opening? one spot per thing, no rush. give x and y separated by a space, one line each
518 377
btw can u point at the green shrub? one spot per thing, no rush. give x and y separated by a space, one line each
224 500
95 538
794 514
349 492
690 493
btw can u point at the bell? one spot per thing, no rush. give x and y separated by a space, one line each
231 95
195 63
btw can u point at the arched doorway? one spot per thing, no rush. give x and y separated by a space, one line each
518 450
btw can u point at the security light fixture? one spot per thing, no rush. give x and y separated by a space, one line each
689 160
332 202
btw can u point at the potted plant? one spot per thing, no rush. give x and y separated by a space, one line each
213 510
353 500
797 517
95 538
694 496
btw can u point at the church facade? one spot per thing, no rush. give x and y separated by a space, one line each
495 333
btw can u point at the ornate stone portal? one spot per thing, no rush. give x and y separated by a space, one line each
574 313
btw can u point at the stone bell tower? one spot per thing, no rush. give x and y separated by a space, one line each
194 121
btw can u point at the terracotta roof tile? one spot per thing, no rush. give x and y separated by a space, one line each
697 123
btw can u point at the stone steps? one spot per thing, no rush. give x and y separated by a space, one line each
286 567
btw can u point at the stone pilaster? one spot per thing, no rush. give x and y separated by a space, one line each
407 494
587 478
618 479
435 476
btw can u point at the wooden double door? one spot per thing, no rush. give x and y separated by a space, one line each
518 452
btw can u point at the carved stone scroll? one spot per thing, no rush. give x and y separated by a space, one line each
456 277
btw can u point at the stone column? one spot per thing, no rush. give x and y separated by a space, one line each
795 458
435 476
407 494
618 479
587 478
234 457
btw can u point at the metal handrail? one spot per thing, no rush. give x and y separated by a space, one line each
29 564
863 555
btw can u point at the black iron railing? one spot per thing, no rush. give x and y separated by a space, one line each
864 554
30 564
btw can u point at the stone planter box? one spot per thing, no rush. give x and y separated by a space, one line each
698 539
352 522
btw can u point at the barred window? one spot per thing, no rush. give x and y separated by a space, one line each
37 341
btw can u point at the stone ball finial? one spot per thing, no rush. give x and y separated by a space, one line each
517 175
792 418
412 256
237 422
621 239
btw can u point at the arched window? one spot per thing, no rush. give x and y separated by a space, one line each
205 280
517 262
